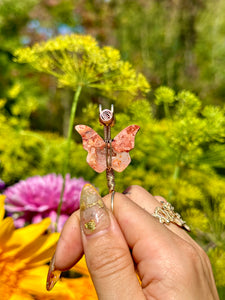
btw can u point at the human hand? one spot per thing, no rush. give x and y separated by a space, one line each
169 263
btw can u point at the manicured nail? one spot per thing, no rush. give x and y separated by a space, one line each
53 275
93 214
127 191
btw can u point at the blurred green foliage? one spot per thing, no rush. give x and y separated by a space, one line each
181 156
24 153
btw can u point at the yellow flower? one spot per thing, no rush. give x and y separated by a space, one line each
23 254
77 60
82 287
21 251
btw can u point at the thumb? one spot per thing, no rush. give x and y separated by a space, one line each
106 251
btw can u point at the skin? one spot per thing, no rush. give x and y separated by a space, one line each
170 264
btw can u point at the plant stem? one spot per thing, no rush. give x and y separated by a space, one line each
166 110
67 152
176 174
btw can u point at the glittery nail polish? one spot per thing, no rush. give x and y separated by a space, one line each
93 214
53 275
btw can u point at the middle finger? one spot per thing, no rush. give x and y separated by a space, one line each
148 202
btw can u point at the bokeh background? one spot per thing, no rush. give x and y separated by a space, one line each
179 49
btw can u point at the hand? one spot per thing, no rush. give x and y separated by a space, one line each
118 246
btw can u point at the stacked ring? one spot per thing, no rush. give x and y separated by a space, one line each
166 214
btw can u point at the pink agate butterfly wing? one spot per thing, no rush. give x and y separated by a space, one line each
96 147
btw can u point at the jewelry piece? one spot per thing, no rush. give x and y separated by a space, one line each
108 154
166 214
112 200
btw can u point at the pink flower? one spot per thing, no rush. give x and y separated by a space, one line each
31 200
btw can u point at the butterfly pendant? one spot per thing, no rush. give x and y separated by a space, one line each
108 154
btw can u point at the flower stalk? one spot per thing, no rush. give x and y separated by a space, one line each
176 175
77 61
166 110
67 152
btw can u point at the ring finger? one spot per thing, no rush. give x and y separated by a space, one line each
148 202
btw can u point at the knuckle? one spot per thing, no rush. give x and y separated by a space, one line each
191 252
204 256
197 254
109 262
195 258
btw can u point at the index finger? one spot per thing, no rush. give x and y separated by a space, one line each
133 220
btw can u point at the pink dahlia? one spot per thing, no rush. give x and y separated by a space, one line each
31 200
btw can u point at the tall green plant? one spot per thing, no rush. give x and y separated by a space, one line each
179 154
78 62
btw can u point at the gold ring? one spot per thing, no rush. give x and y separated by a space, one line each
166 214
112 200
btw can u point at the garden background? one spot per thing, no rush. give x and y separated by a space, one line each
161 63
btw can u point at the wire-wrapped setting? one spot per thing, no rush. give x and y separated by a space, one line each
112 200
166 214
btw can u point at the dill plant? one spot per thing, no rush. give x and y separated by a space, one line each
179 154
180 150
78 62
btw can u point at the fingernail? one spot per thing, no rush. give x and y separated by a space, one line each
93 214
53 275
127 191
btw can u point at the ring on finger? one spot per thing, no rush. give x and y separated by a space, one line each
166 214
112 200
